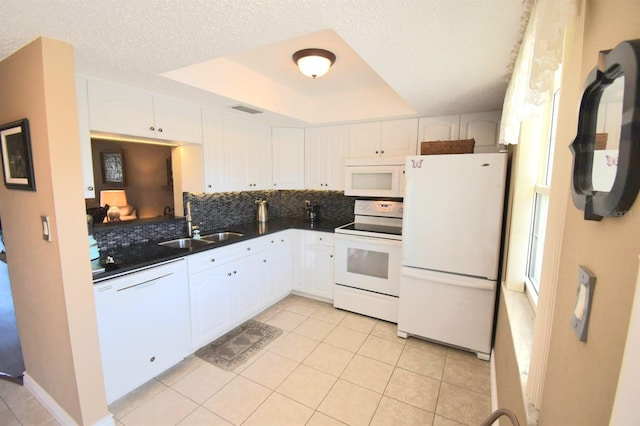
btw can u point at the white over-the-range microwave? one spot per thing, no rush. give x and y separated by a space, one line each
374 177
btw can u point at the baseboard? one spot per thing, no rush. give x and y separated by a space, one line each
56 410
494 382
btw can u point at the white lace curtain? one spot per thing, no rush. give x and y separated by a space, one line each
539 56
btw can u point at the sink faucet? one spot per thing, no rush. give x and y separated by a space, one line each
189 220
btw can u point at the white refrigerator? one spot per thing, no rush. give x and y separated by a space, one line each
452 224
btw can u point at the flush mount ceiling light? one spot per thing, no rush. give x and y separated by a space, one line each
314 62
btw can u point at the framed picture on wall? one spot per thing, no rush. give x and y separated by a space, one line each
112 167
17 163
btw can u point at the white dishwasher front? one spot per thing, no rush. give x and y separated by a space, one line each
143 325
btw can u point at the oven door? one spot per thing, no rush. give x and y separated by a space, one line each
368 263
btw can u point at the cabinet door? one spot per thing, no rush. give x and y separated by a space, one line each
85 137
288 158
247 280
176 120
277 267
364 140
323 271
316 268
444 128
399 137
118 109
210 305
337 150
260 157
235 154
315 147
484 127
212 142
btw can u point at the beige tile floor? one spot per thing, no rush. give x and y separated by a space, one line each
329 367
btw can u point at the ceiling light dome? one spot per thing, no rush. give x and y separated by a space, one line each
314 62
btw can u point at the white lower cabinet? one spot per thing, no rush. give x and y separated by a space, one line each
143 325
210 294
315 264
230 285
277 266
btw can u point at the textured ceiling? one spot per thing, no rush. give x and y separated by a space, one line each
415 57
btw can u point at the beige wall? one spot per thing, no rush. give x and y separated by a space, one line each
51 281
581 378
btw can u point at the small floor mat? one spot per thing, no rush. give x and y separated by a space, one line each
238 345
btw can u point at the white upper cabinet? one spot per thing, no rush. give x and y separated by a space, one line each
260 157
246 154
85 138
484 127
176 120
118 109
443 128
325 151
399 137
337 150
288 158
212 141
395 138
364 140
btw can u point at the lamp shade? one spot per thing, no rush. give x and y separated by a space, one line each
114 197
314 62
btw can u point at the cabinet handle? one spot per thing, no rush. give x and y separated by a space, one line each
160 130
248 248
228 274
152 128
381 152
377 152
275 184
153 358
282 241
331 256
145 282
264 260
272 241
90 188
234 272
213 260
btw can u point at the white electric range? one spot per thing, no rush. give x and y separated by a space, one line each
368 256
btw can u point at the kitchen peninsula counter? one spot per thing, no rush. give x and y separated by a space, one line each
141 255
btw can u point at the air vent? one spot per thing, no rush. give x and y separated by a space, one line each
246 109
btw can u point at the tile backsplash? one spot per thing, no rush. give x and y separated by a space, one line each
213 211
219 210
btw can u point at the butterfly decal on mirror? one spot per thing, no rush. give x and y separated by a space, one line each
416 164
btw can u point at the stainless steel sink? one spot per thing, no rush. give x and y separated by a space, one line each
221 236
185 243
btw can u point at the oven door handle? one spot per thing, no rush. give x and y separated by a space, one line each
376 240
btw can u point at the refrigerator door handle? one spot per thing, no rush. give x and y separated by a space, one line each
450 279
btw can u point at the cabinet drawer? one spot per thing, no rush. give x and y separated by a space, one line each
324 238
216 256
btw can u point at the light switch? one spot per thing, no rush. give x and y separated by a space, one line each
46 228
584 297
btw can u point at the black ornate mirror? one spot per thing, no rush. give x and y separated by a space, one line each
606 150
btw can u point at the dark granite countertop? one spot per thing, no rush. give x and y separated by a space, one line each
140 255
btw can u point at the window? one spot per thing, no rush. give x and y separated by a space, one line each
541 202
